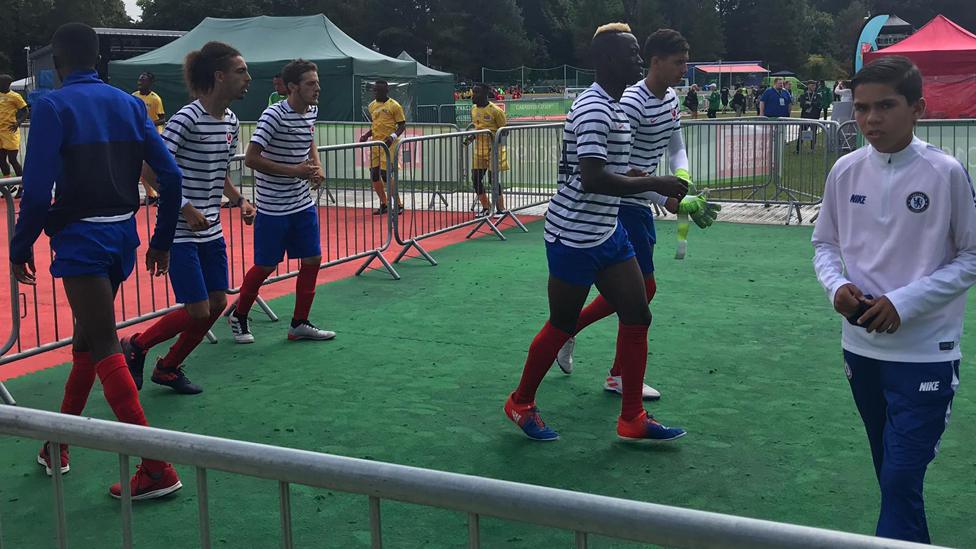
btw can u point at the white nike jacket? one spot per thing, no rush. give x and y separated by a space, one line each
901 225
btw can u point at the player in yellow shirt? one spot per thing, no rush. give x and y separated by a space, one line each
13 112
486 116
156 113
388 125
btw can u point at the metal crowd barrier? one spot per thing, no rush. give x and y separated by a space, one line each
427 114
329 133
6 190
432 175
40 317
955 137
848 137
140 298
349 232
760 160
442 114
525 167
581 513
24 132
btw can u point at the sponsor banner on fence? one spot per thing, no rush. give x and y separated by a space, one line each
744 150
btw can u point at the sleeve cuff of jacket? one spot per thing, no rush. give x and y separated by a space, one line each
837 286
902 302
19 258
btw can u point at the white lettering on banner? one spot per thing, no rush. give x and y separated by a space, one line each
744 151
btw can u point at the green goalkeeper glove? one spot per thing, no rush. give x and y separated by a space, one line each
701 211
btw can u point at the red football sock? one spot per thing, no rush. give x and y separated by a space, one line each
249 289
79 383
542 353
305 290
120 391
194 333
632 350
650 287
165 328
123 397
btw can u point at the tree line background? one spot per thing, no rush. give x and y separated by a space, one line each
815 38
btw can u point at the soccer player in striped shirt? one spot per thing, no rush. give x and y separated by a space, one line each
202 137
585 244
92 138
652 107
286 165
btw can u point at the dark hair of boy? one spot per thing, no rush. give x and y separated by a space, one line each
200 65
895 71
293 71
75 46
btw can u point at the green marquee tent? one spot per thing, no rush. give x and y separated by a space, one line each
432 87
346 67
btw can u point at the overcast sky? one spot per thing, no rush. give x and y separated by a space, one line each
132 9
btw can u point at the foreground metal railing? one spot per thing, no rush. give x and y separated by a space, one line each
584 514
6 190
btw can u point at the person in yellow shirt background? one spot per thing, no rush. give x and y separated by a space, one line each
486 116
156 113
13 112
387 125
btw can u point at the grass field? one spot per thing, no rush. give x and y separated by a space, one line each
744 348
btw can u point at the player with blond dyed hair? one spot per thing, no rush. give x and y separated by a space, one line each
585 245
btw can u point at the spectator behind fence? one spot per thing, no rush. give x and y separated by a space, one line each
809 108
691 101
739 102
843 91
714 102
775 102
826 97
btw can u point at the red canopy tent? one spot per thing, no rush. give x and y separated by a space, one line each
946 55
731 68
